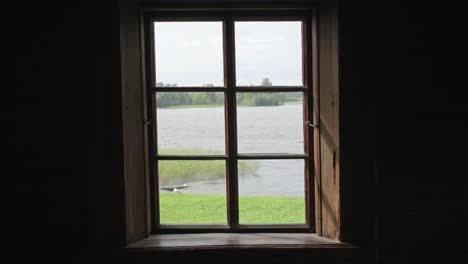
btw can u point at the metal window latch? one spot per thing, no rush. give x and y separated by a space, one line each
310 124
147 122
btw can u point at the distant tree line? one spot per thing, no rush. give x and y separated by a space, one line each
168 99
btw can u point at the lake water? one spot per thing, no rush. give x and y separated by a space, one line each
260 129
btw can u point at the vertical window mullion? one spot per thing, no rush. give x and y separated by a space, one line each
231 132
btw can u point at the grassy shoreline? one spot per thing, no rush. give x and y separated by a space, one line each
178 208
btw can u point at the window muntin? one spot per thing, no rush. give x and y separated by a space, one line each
232 156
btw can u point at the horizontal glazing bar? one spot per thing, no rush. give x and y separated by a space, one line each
189 89
191 157
284 226
272 156
210 13
192 226
270 89
203 228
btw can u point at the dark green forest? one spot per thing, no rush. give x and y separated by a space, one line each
173 99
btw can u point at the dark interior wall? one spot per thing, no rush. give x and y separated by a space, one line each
105 157
403 65
421 131
61 195
45 207
402 69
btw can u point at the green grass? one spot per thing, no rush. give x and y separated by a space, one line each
178 208
271 209
185 171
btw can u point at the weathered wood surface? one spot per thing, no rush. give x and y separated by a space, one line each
329 123
133 125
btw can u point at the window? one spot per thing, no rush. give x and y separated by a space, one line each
231 139
332 189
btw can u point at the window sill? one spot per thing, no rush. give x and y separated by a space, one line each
169 242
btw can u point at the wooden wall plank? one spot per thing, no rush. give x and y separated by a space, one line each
329 122
133 123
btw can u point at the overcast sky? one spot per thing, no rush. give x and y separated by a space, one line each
190 53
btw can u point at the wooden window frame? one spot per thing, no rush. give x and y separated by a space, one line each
228 18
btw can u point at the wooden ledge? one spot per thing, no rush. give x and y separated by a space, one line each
234 241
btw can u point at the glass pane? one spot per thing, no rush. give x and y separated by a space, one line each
268 53
271 192
189 53
190 123
270 122
192 191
